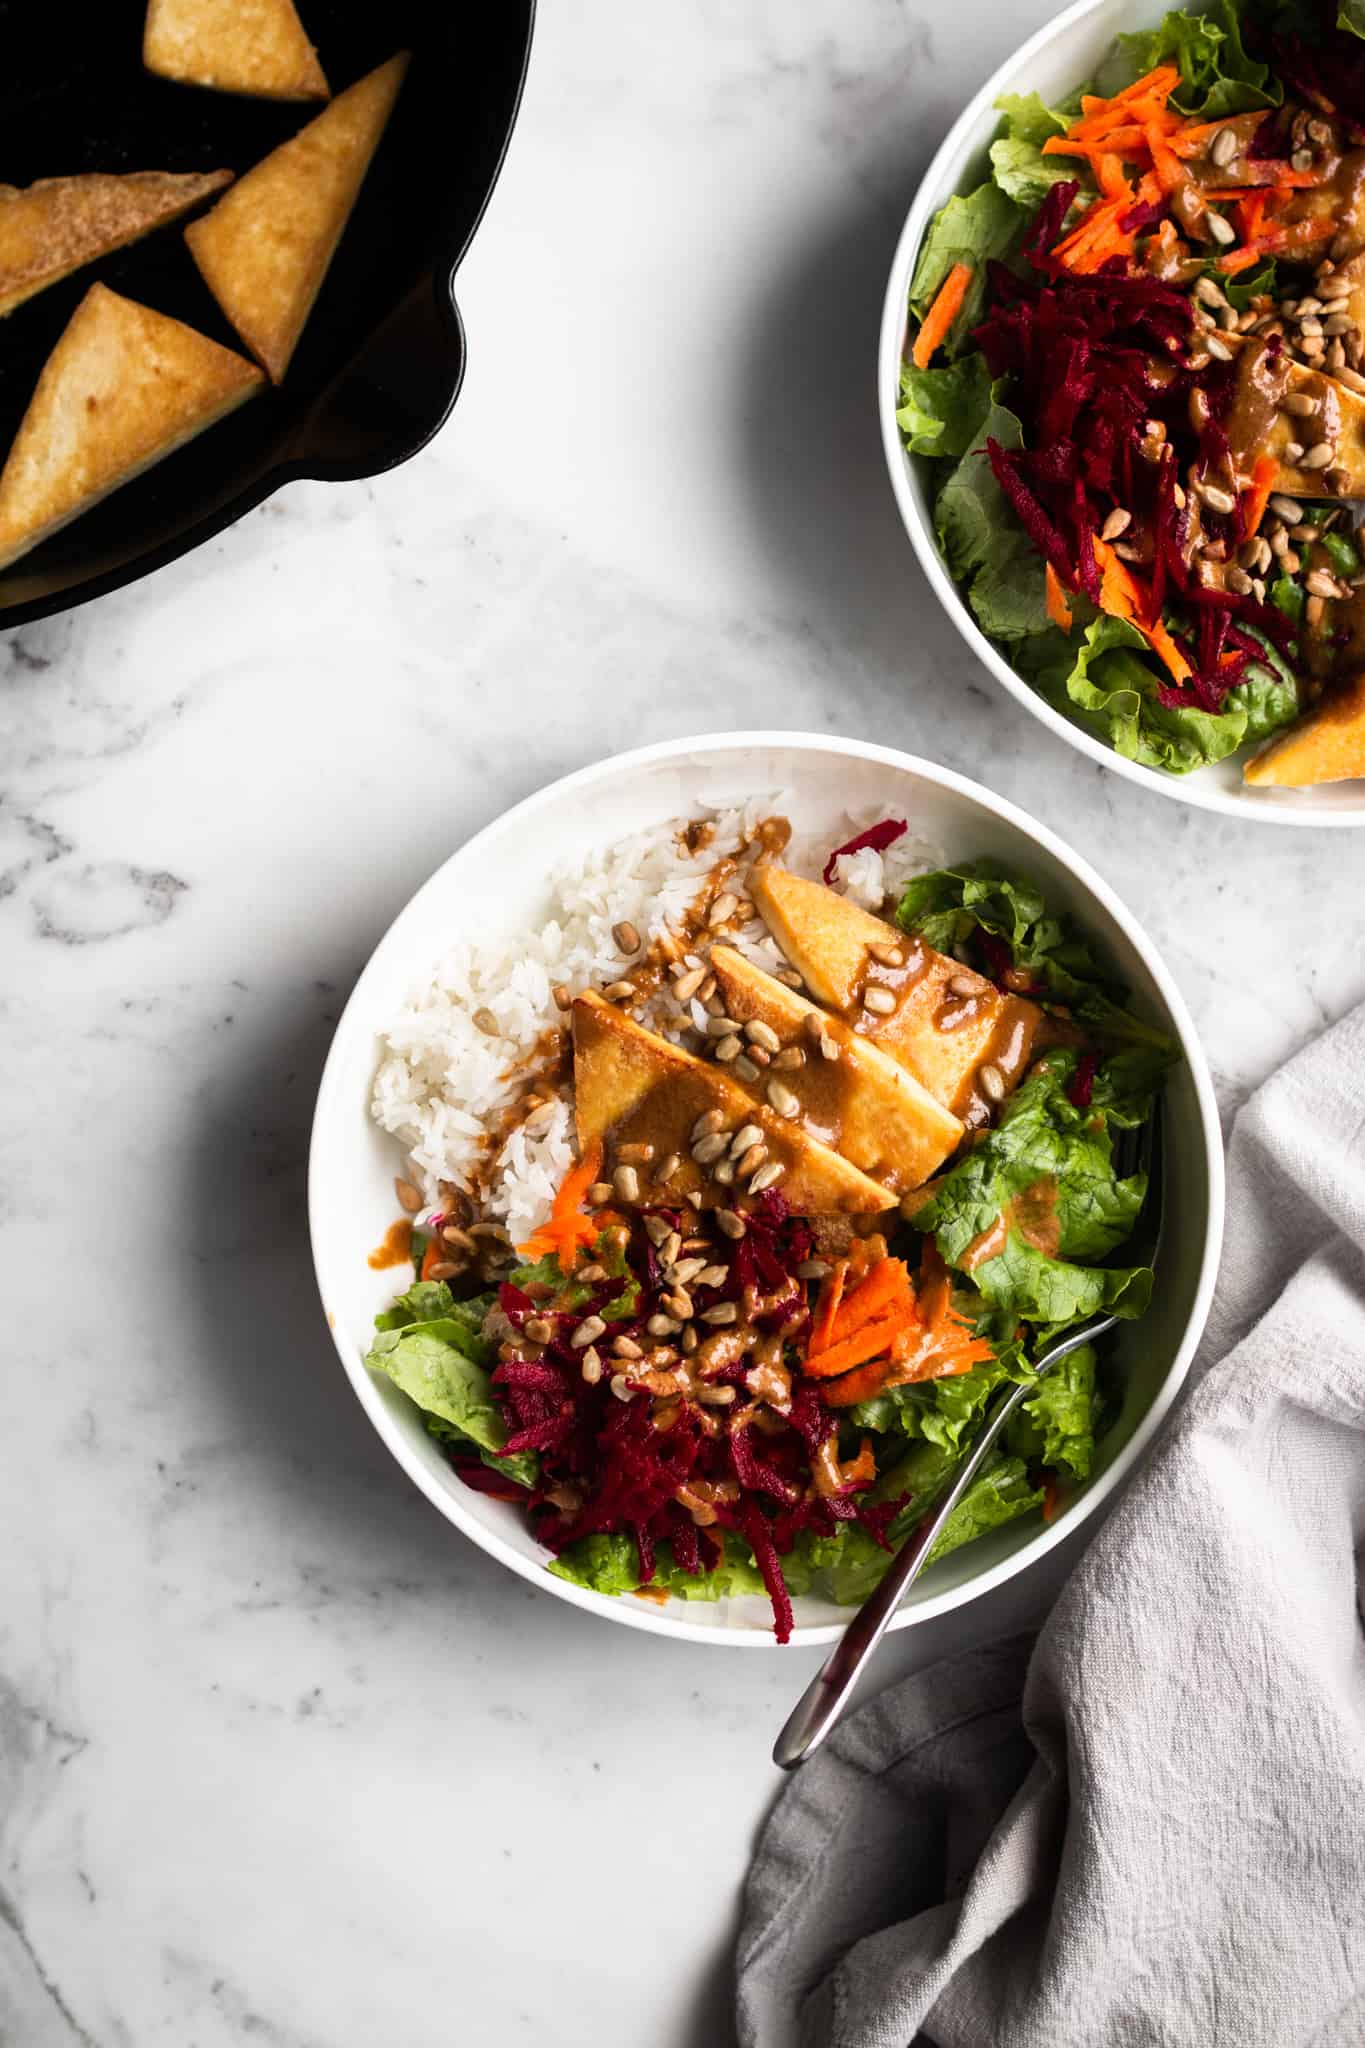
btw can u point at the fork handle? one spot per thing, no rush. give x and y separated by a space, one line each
825 1698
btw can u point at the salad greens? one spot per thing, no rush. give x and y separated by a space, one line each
433 1347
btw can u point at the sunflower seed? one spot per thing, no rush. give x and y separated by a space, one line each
783 1101
670 1247
626 937
1209 294
1221 229
1302 160
1290 563
685 1270
679 1304
592 1367
713 1276
723 1312
487 1023
880 1001
563 999
743 1139
710 1120
731 1223
686 986
440 1269
708 1150
621 1387
724 907
1320 584
626 1347
789 1060
788 976
1223 148
751 1161
1238 581
1301 404
662 1326
537 1329
590 1275
409 1197
667 1168
1320 456
767 1176
1293 453
745 1068
1312 612
886 955
619 991
656 1227
461 1239
635 1155
966 984
1215 497
759 1033
991 1082
728 1050
721 1026
588 1331
1218 349
829 1048
723 1172
1119 520
599 1193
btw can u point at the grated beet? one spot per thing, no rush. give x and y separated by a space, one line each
878 837
1081 1087
755 1526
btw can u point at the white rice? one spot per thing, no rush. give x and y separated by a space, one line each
444 1080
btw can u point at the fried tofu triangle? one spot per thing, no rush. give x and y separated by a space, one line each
265 248
49 229
255 47
123 387
1327 745
633 1089
849 1092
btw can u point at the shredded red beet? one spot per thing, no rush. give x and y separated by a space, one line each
479 1479
755 1525
878 837
1081 1087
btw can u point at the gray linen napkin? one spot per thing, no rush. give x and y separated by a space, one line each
1148 1827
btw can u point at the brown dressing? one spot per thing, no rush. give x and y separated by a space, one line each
1031 1215
396 1250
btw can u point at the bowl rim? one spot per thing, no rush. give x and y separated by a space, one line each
931 192
331 1104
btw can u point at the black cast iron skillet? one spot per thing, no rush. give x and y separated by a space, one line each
380 363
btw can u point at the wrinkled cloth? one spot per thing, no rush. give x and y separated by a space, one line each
1148 1826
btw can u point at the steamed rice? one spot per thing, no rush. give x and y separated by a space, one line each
444 1080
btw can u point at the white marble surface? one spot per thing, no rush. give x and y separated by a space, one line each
283 1759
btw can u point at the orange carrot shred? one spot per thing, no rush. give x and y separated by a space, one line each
1058 610
566 1228
941 315
1257 495
887 1284
827 1307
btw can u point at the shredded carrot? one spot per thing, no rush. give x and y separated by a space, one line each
827 1307
861 1385
431 1257
1194 139
870 1341
1058 610
1257 496
1123 596
1171 173
1238 260
1052 1500
1109 176
1159 83
886 1285
567 1228
941 315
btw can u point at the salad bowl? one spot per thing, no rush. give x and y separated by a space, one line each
498 883
1052 64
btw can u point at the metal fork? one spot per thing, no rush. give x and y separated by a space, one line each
825 1698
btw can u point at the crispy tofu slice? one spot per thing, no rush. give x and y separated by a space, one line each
633 1088
861 1101
123 387
49 229
256 47
945 1024
265 248
1258 425
1328 745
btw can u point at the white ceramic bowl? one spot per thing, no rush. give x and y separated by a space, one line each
1053 62
498 879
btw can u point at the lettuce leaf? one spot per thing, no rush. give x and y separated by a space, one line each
546 1277
1017 161
983 543
999 1493
1048 1156
985 224
947 906
1109 684
1217 75
1056 1425
433 1347
942 411
611 1564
